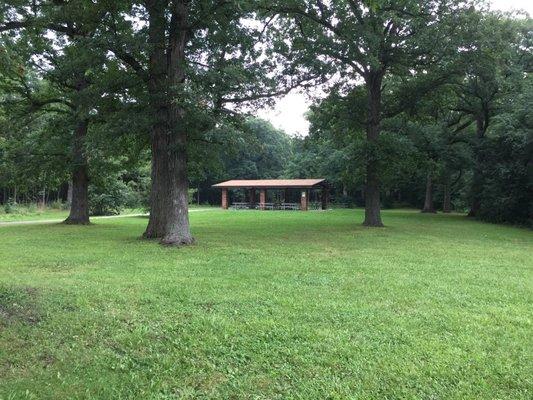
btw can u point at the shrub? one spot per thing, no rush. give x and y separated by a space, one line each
505 196
56 205
11 207
109 196
191 194
107 200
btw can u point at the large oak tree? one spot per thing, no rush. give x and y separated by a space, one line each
367 41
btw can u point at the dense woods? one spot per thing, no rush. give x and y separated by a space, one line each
105 105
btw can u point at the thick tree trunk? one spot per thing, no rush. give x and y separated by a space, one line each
69 192
79 206
169 218
428 201
447 199
372 195
477 176
169 214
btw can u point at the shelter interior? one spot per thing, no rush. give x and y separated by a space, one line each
274 194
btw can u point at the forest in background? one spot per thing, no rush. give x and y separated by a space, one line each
427 105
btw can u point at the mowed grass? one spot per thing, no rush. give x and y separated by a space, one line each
33 216
268 305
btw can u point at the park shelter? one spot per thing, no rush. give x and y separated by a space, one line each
251 186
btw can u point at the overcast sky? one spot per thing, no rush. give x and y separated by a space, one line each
289 112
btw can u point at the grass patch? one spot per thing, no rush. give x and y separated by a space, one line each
270 305
27 214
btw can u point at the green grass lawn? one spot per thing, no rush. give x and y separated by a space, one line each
268 305
33 215
51 214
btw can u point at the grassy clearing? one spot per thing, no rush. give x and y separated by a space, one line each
36 214
268 305
33 214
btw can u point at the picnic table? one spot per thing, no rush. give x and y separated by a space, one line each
268 206
240 206
289 206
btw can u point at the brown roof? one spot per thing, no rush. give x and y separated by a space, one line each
270 183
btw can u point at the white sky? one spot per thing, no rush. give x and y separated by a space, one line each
289 112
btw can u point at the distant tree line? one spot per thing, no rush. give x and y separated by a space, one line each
127 103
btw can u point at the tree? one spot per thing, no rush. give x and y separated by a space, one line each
490 70
368 41
200 57
507 190
56 38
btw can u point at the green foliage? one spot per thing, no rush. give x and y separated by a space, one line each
507 186
112 195
260 153
108 198
449 73
507 156
191 195
10 207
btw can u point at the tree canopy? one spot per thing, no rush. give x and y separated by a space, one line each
110 104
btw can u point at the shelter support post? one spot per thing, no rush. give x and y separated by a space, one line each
262 199
304 200
225 199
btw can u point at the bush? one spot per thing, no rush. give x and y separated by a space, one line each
108 199
505 196
191 194
11 207
56 205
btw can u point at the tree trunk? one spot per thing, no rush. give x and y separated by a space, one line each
447 199
69 192
372 196
43 199
79 206
169 214
428 202
477 176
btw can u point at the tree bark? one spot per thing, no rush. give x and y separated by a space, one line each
69 192
428 201
43 198
447 199
169 214
477 176
79 206
372 191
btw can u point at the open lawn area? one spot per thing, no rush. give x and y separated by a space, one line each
35 215
268 305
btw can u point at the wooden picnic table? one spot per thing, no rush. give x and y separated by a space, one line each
289 206
240 206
